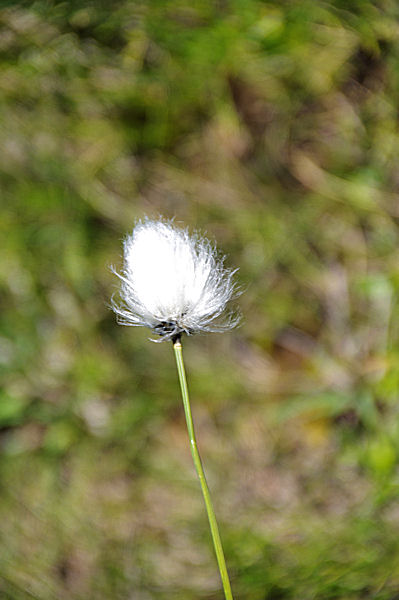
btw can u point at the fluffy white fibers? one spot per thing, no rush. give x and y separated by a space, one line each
173 282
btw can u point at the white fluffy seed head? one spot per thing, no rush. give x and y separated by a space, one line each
173 282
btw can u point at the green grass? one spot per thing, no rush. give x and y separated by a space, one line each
272 126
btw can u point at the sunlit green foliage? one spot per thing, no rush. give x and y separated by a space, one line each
272 126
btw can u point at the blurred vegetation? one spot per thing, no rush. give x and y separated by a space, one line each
272 126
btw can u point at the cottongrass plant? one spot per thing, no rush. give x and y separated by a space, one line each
175 283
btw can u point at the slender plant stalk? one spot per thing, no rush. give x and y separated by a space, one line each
217 543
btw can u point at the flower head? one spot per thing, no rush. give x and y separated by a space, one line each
173 282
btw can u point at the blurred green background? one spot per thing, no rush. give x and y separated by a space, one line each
273 127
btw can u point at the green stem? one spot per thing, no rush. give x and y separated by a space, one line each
200 471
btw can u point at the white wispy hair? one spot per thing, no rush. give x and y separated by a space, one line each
173 282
